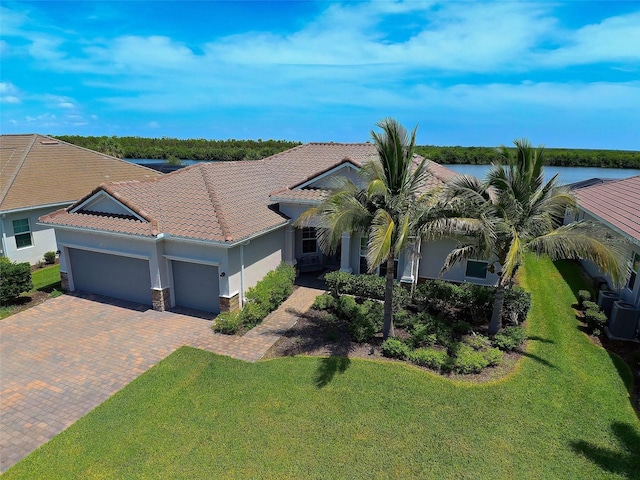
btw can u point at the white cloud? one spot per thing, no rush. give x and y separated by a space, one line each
153 125
9 93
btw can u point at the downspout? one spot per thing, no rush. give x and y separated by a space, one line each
4 236
241 299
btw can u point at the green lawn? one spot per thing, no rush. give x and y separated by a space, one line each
44 279
47 278
564 413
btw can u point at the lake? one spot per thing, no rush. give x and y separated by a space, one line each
565 174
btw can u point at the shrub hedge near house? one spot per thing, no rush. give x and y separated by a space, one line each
366 286
260 300
15 278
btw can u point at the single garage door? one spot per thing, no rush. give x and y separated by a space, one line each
115 276
196 286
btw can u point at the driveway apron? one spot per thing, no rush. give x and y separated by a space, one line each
61 359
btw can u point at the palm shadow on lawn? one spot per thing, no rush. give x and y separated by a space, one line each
625 461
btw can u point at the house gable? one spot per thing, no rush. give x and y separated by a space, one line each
103 203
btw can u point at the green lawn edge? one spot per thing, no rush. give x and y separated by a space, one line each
564 413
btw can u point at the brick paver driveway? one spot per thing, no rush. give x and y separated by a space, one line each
61 359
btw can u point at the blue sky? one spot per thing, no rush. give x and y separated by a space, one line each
563 74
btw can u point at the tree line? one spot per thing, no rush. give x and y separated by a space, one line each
557 157
172 149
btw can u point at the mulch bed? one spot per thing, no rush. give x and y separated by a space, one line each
313 336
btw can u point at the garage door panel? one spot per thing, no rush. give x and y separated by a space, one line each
115 276
196 286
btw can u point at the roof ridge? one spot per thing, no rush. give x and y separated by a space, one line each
106 187
3 195
224 226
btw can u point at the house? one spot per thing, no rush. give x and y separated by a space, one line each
201 236
615 204
38 175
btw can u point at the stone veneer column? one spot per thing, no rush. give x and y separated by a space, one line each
230 304
64 281
161 299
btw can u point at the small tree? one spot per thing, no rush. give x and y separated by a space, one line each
15 278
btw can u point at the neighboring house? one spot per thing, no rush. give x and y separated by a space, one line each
616 204
201 236
39 175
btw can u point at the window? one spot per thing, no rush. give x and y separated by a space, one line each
309 242
22 233
476 269
382 269
635 266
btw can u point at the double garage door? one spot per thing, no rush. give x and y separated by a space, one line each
195 285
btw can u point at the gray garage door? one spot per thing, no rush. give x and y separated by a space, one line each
115 276
196 286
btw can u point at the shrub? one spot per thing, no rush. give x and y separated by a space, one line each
595 318
429 357
262 299
583 296
477 342
423 335
589 305
367 286
228 323
493 356
325 301
510 338
402 318
347 307
517 303
366 320
395 348
50 258
15 278
461 328
467 360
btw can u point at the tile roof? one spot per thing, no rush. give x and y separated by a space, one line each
38 170
222 201
615 202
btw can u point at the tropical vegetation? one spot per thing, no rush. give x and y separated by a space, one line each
514 211
564 412
382 207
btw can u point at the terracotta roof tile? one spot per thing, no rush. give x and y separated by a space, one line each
615 202
38 170
220 201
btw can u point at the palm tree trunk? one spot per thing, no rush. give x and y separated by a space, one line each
387 328
496 316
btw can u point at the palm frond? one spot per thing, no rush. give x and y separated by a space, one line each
380 239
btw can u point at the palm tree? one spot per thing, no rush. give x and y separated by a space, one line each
110 146
514 211
382 208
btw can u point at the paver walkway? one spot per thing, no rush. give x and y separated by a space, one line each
62 358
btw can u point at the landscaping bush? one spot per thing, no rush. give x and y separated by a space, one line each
50 258
15 278
422 335
366 320
510 338
367 286
467 360
461 327
262 299
583 296
228 323
326 301
595 319
429 357
477 342
517 303
493 356
589 305
395 348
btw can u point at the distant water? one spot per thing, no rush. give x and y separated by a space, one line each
565 174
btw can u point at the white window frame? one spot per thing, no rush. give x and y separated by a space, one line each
309 236
17 234
363 255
